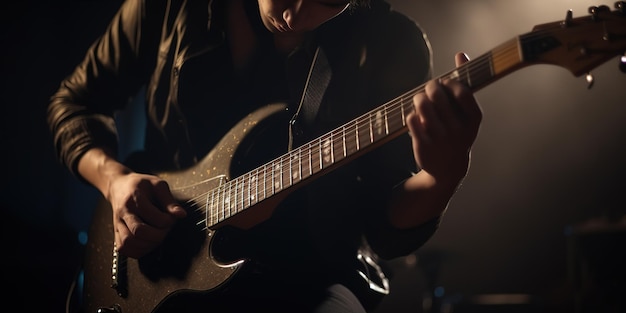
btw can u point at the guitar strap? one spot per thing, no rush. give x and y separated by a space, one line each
314 89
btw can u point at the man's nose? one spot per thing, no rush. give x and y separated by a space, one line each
290 13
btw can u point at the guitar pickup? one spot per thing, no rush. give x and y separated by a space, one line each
119 278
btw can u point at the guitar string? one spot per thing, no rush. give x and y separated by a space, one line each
398 108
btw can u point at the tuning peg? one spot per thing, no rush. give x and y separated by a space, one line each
594 10
568 19
621 6
590 80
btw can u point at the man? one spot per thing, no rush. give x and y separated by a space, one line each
206 65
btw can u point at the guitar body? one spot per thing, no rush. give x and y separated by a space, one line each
194 260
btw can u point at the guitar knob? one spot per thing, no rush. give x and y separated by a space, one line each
622 63
112 309
590 80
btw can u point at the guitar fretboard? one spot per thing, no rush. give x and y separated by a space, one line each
344 143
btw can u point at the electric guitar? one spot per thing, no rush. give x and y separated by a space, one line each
190 261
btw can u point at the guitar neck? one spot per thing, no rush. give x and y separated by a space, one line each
346 142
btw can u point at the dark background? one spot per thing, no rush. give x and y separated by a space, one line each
549 159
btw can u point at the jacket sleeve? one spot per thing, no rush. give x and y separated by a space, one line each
80 114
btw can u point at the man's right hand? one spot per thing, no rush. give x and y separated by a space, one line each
144 209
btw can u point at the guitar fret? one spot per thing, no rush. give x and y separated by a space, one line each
285 171
258 183
267 183
283 178
378 129
261 184
365 137
350 144
326 155
252 183
300 163
356 136
320 158
310 159
233 199
279 179
483 68
220 203
337 142
239 195
228 200
479 75
395 117
276 179
225 201
259 180
319 153
370 126
343 141
217 204
290 170
214 203
254 198
246 192
211 204
232 208
272 189
386 117
330 149
223 204
296 175
264 182
402 113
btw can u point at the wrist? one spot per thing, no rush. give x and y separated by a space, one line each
100 168
453 173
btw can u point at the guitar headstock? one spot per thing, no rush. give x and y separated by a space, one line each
579 44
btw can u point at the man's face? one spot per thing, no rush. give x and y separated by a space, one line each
298 16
